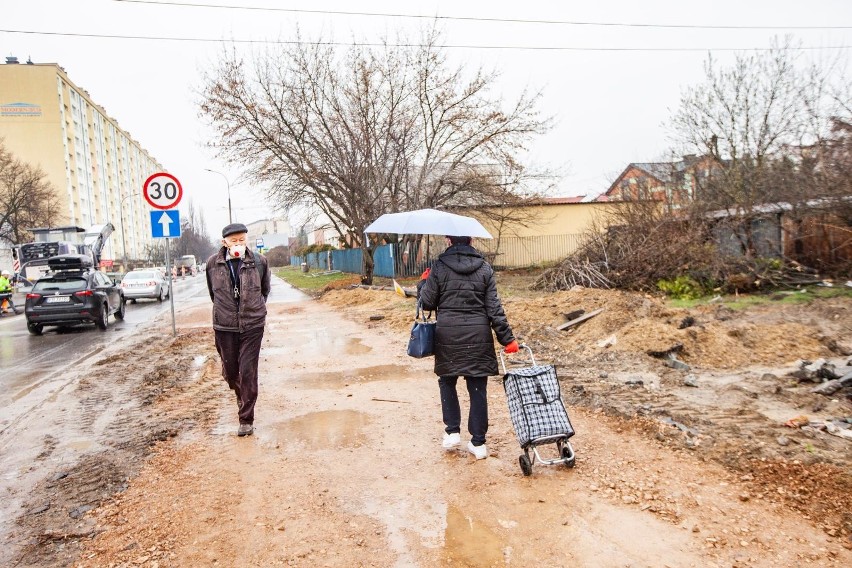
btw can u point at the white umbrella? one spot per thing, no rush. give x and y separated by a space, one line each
428 222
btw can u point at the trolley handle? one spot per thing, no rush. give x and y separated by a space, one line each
522 345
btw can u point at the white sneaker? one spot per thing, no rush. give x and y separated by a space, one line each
451 440
479 452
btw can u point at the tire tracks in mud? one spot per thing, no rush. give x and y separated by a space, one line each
122 405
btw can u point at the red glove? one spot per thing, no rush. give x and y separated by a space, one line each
512 347
425 274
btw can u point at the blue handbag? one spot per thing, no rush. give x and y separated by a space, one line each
422 340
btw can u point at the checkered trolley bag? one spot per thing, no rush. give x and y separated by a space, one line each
538 413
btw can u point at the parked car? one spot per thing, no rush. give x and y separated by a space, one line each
148 283
72 293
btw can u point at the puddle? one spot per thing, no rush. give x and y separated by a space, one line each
327 429
340 379
80 445
468 543
354 346
321 342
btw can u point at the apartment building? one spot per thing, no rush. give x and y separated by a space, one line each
96 168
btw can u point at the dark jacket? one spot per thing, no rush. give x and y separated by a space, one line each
249 311
461 288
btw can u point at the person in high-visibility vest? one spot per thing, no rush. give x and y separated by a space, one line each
6 288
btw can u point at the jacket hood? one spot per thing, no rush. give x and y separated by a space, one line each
462 259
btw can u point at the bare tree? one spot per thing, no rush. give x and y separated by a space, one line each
26 198
766 123
366 131
194 238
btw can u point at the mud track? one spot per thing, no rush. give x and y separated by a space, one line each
124 404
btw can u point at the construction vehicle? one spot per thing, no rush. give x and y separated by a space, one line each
30 259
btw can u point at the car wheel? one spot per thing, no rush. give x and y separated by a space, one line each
119 314
160 295
104 319
35 328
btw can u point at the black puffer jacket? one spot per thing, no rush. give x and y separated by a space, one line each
461 288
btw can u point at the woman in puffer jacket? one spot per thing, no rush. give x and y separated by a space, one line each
460 287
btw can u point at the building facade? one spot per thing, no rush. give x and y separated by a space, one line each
675 183
270 232
96 168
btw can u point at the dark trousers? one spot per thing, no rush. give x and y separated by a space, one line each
240 353
477 418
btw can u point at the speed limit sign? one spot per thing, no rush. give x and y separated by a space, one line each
162 191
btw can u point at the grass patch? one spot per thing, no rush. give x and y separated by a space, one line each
312 282
744 301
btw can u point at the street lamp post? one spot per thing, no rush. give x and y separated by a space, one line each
230 218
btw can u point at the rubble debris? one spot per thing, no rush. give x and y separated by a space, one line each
676 363
682 427
634 382
810 371
39 509
783 440
573 314
830 387
686 322
608 342
390 400
690 381
798 421
377 318
78 512
835 430
674 349
579 320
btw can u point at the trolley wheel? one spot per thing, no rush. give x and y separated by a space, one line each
566 452
526 465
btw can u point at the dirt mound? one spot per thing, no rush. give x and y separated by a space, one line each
716 339
638 323
382 306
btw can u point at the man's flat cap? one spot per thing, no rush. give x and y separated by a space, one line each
234 228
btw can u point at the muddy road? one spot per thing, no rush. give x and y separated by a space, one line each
346 468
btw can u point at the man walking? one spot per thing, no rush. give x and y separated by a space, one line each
238 282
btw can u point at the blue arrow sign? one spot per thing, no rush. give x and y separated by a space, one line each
165 224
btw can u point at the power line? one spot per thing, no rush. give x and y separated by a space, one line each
482 19
443 46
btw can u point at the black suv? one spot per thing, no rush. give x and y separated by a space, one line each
72 293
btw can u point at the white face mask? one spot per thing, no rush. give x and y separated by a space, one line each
237 251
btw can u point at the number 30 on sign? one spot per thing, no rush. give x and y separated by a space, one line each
162 191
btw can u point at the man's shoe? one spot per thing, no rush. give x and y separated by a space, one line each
245 430
451 440
479 452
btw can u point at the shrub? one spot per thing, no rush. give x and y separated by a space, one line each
681 288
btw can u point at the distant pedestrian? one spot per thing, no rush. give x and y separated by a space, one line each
461 287
238 282
7 290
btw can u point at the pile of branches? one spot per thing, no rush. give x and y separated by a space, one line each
645 246
638 249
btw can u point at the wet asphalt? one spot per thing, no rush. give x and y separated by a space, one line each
28 361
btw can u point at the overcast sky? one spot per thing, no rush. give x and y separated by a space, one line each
610 106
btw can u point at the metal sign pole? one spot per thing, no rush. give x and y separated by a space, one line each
171 289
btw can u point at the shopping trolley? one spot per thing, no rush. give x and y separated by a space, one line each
538 413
